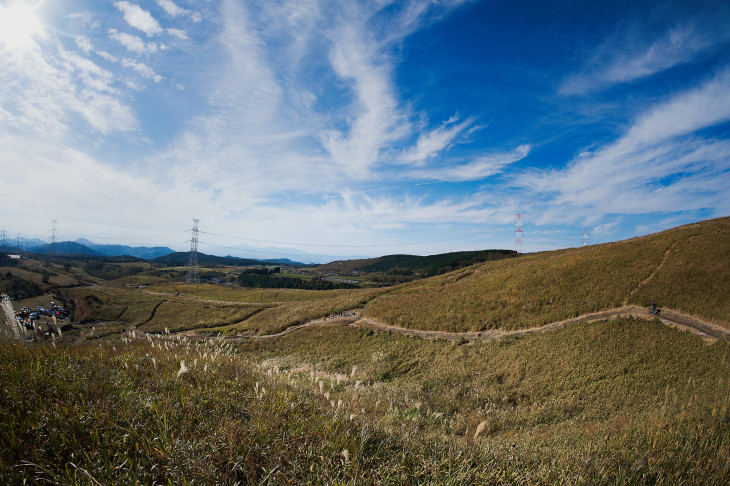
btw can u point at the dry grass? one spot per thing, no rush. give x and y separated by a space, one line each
541 288
211 308
612 401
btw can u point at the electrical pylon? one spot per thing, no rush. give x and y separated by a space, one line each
53 235
519 221
193 275
586 235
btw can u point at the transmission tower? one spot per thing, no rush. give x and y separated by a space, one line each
519 221
4 238
192 275
53 235
18 243
586 235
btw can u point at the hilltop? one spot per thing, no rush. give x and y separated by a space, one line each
415 264
685 268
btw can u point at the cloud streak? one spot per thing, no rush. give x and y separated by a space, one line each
659 165
629 57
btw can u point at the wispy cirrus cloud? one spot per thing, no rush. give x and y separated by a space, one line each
632 55
376 117
660 164
476 170
52 89
431 143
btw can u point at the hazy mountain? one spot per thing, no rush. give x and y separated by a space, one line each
145 252
181 258
65 248
279 254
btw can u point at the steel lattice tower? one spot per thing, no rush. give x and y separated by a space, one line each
519 221
53 235
193 275
586 235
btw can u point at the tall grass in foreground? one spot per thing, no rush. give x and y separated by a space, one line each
171 411
138 415
618 401
130 417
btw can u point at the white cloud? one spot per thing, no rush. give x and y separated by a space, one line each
478 169
376 118
47 90
628 56
171 8
93 76
84 44
659 165
133 43
174 10
179 33
685 113
138 18
142 69
88 194
107 57
431 143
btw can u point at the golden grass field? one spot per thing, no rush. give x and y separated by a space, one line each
685 269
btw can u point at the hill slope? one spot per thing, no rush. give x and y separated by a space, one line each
430 265
685 269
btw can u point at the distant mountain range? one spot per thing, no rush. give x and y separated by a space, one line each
181 258
282 255
82 246
144 252
160 254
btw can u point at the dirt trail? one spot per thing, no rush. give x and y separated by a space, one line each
708 331
667 253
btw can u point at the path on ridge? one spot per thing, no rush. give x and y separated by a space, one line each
706 330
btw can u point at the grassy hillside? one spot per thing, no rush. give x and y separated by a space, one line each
613 402
212 308
685 268
414 264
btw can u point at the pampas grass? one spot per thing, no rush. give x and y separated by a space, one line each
183 369
480 428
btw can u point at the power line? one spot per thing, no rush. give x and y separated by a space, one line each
342 246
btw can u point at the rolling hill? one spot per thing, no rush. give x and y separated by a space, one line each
685 268
181 258
415 264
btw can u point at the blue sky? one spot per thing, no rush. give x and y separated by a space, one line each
362 128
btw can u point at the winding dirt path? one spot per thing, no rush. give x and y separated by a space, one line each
708 331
